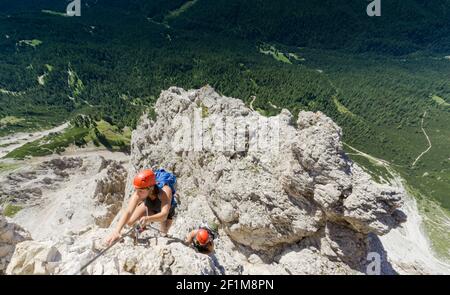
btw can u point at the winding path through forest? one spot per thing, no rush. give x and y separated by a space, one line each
428 139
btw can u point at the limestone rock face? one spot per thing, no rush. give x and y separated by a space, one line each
26 186
155 256
284 194
90 192
31 257
266 188
109 192
10 235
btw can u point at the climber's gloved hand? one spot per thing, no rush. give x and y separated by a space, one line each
112 238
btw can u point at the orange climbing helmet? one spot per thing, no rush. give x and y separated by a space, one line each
202 236
144 179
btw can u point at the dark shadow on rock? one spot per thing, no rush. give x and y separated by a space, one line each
217 263
394 220
354 249
400 216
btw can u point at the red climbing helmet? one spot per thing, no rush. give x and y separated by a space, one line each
144 179
202 236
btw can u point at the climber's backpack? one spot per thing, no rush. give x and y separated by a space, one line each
166 178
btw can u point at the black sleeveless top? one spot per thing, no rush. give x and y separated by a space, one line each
154 205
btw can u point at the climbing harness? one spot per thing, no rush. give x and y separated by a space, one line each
137 231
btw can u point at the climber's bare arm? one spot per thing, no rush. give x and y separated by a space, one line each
132 204
190 236
166 198
134 201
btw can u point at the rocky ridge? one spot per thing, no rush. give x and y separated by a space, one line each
286 197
